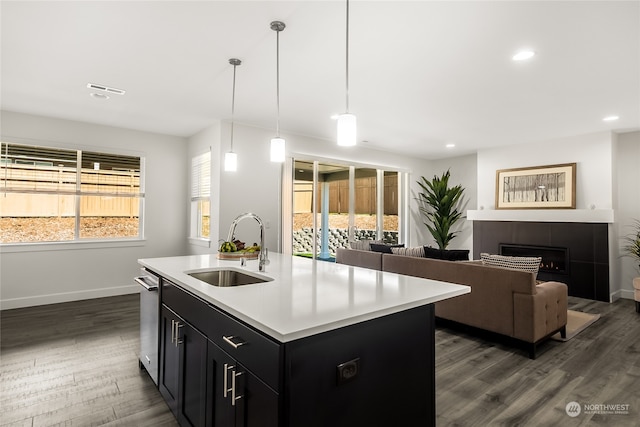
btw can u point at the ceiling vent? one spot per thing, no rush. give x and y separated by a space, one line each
105 88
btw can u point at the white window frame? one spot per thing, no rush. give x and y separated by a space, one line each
78 193
288 187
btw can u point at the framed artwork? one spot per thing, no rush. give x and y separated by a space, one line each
539 187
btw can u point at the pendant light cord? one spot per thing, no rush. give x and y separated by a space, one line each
278 83
235 62
278 26
233 103
347 60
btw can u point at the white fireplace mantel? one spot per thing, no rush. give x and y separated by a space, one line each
542 215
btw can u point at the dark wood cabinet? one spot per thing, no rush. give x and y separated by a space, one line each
169 360
183 369
215 370
236 396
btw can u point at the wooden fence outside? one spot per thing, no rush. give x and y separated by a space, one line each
365 192
49 191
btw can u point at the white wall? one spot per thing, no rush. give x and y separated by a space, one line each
207 139
254 187
592 153
607 179
49 273
628 204
464 171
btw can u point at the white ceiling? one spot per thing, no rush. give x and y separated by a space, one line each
422 73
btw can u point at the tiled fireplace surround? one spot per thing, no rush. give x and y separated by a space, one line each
587 246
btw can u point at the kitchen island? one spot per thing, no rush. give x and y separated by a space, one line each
315 344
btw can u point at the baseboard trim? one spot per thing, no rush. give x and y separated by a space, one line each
621 294
8 304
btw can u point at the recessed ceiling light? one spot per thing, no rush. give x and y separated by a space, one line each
450 145
98 95
610 118
523 55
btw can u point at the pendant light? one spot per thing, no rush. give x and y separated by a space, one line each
231 158
277 143
346 120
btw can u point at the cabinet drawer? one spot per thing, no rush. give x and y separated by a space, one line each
255 351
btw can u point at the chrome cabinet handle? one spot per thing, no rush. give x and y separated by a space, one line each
150 287
229 340
178 340
225 381
234 397
173 331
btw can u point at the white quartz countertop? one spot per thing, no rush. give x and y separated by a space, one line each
305 297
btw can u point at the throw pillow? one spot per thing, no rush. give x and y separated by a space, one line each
385 249
364 245
456 254
531 264
434 253
417 252
446 254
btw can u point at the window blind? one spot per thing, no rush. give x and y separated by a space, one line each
201 176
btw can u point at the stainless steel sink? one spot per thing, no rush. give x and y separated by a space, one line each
225 278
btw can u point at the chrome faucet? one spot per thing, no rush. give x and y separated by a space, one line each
262 257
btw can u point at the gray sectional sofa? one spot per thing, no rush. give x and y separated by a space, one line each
504 301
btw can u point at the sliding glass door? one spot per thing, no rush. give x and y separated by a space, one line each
334 204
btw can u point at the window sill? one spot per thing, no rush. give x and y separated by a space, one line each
205 243
67 246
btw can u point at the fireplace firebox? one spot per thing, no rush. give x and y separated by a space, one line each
554 260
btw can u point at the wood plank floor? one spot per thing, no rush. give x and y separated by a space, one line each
75 364
485 383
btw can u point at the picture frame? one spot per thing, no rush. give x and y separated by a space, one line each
537 187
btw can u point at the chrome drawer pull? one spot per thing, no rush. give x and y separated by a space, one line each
173 331
225 382
233 388
229 341
178 340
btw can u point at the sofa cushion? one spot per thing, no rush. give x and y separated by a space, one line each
415 252
385 249
530 264
364 245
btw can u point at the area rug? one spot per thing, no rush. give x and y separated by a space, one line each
577 322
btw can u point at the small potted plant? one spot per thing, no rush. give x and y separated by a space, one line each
632 249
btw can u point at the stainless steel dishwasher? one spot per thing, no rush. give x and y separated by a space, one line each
149 322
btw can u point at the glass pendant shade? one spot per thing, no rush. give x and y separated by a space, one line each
346 130
277 150
230 161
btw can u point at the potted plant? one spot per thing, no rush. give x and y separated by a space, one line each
632 249
440 206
